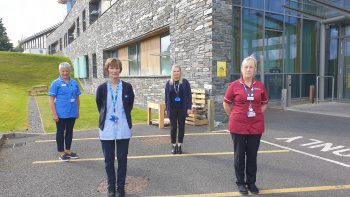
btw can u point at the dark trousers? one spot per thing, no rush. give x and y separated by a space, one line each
177 118
108 148
245 157
64 138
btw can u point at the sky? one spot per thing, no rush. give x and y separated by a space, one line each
23 18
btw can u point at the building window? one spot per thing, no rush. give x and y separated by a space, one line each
134 59
106 55
78 27
149 55
94 66
60 44
122 54
65 40
84 20
165 61
71 36
94 10
87 66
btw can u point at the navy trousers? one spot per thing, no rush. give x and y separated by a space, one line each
64 138
245 157
108 148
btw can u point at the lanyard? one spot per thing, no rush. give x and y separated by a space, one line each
249 94
178 88
71 90
114 99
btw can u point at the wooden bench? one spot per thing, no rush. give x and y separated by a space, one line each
161 121
38 90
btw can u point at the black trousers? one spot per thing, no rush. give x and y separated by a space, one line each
245 157
64 133
177 119
108 148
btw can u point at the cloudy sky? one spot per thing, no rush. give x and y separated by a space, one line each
23 18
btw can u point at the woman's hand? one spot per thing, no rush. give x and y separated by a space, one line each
55 118
189 111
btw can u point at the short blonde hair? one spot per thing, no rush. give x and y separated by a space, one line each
113 62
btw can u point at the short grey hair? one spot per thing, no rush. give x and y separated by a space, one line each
250 58
64 65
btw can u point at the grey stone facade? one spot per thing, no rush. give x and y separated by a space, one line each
200 35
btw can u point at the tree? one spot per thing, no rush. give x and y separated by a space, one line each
18 48
5 44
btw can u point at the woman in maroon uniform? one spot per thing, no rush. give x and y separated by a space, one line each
245 102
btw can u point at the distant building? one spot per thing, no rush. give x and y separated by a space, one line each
37 43
308 40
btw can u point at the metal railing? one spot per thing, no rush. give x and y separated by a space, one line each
317 77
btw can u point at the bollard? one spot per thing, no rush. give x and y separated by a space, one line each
211 114
284 99
312 94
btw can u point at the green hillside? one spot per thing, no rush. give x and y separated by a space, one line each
18 73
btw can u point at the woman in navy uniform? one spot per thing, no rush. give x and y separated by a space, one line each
115 100
178 100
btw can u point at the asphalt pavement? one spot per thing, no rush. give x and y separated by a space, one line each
301 154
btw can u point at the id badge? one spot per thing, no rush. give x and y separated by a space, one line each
250 98
177 99
251 114
114 118
72 100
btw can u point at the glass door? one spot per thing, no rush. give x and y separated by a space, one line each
273 65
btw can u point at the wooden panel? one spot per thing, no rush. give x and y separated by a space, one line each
198 91
150 59
123 57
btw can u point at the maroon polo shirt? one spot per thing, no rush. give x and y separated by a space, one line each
236 95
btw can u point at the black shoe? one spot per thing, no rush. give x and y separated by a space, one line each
120 193
253 188
243 189
111 192
174 150
179 150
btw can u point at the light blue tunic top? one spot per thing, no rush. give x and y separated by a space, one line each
112 130
65 97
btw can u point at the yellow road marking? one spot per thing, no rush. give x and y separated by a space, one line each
273 191
137 136
157 156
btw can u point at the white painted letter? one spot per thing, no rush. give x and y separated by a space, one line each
337 152
327 147
290 139
311 143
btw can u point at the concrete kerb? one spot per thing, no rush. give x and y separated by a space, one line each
5 136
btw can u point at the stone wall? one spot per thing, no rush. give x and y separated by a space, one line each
200 35
222 51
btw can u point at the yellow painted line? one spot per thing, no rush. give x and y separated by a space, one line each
157 156
137 136
273 191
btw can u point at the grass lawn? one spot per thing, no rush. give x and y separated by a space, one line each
88 114
18 73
